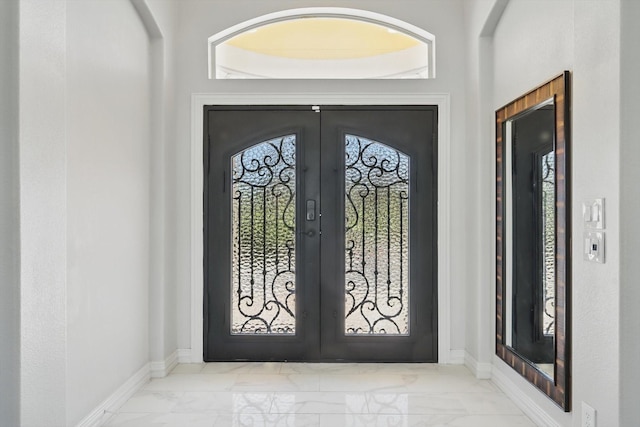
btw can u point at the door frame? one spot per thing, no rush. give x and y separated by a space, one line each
199 100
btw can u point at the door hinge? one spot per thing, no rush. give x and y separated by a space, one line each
315 108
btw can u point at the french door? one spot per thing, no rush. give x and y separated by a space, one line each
320 233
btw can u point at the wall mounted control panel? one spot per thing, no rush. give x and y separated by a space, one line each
593 220
594 246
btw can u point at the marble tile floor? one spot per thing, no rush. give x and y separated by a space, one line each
324 395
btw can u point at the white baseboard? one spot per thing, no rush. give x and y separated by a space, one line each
112 404
482 371
456 357
524 402
185 356
162 368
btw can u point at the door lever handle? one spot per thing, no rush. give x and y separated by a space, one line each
308 233
311 210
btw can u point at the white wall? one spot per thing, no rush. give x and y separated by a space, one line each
165 16
629 209
108 191
481 18
9 218
596 172
158 17
84 108
43 254
198 20
530 46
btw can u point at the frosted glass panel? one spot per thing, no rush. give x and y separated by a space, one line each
376 238
263 234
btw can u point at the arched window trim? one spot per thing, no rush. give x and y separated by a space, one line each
326 12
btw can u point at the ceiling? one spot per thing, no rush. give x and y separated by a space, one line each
323 39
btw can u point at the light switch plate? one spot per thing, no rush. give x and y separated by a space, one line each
593 214
594 246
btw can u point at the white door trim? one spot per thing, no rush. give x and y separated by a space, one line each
199 100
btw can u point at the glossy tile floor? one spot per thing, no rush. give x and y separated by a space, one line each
326 395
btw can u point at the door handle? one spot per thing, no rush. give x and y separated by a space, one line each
309 233
311 210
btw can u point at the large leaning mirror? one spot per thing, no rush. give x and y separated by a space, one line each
532 237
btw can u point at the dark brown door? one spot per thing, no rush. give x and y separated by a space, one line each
320 233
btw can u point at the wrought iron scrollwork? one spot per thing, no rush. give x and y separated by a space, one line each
376 238
264 238
549 241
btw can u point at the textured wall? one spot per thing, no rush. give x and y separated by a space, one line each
43 212
159 17
108 199
532 45
629 209
481 18
9 218
596 173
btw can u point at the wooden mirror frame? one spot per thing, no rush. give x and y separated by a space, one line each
558 387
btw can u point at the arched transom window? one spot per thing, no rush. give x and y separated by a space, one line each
322 43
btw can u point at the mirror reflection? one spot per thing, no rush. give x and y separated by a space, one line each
530 227
533 212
